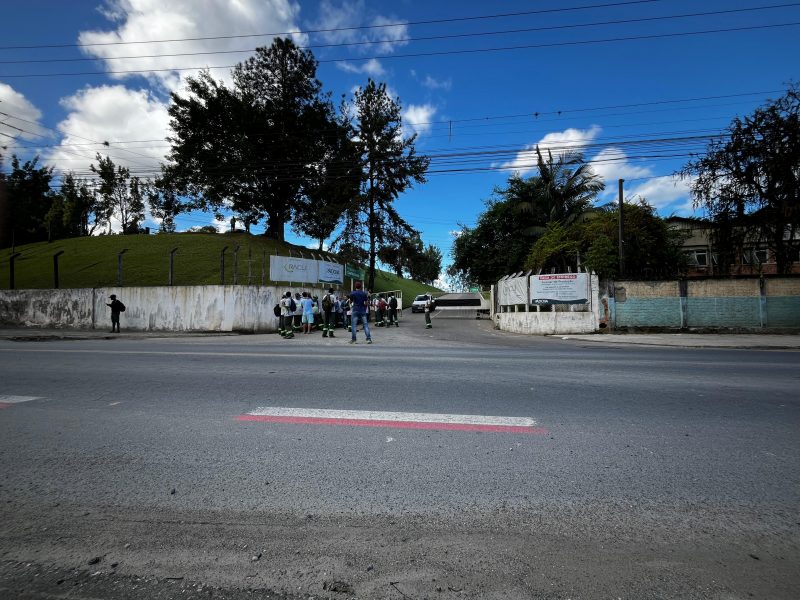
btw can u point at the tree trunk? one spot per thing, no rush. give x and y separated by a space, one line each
275 226
372 227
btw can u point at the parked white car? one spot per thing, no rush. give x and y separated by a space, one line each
419 303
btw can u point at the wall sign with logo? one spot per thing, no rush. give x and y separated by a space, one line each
287 268
564 288
354 272
331 272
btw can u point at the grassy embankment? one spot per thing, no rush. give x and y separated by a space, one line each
92 262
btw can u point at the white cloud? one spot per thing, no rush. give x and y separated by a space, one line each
108 114
138 20
436 84
19 119
372 67
384 37
667 194
557 142
417 118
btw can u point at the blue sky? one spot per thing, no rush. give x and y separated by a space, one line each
636 106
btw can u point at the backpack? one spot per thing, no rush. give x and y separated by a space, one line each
327 303
277 310
292 304
120 306
381 304
392 302
432 304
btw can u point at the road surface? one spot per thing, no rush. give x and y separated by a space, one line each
465 463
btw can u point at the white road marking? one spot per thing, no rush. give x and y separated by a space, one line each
17 399
371 415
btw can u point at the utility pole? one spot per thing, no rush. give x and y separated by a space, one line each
621 230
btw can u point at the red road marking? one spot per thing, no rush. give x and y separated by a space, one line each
394 424
5 405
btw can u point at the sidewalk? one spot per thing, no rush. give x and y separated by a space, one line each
695 340
36 334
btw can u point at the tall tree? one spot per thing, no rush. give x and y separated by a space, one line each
749 182
428 265
29 200
81 211
120 195
250 148
389 166
164 202
563 190
332 182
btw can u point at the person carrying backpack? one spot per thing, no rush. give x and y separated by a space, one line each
116 308
393 310
328 315
380 311
430 306
287 316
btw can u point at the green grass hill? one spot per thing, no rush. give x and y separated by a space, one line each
89 262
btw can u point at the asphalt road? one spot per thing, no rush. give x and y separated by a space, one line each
652 472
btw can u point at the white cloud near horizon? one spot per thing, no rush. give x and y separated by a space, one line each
113 114
20 119
611 164
557 142
137 20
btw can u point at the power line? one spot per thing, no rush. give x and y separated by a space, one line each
436 53
337 29
418 39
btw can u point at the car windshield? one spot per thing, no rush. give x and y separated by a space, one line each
419 298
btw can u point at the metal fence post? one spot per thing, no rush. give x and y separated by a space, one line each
235 264
171 263
11 260
222 266
119 266
55 268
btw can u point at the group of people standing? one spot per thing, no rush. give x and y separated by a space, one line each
301 312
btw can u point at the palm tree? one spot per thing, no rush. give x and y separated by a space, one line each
563 191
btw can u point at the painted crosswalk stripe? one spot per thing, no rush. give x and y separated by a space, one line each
400 420
8 401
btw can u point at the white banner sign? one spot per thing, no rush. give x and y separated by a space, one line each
512 291
331 272
287 268
564 288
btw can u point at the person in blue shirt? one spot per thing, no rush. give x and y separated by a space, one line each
359 300
308 312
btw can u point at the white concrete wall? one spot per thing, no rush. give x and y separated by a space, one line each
564 319
179 308
547 323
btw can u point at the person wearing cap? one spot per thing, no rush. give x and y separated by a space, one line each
359 301
116 308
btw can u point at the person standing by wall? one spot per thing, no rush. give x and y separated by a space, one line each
116 308
287 316
307 305
359 302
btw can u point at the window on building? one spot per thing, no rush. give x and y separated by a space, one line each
760 256
697 258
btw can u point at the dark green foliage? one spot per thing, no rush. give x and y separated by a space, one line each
562 192
498 245
652 248
749 184
120 195
427 266
29 200
252 146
